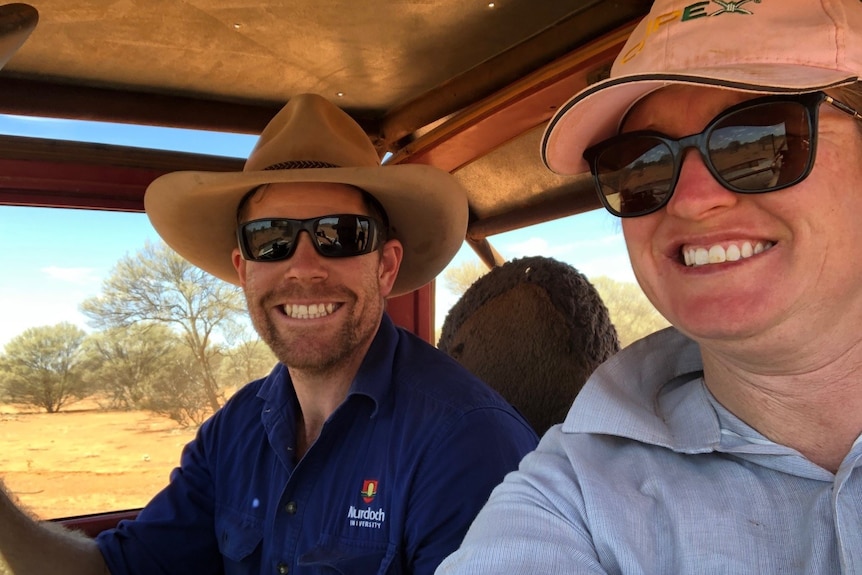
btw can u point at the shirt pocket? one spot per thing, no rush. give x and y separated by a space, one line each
345 556
239 540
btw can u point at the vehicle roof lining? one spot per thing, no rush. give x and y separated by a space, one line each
381 58
444 82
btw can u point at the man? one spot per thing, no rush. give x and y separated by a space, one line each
366 450
732 442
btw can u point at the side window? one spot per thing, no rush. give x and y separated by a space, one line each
95 355
89 420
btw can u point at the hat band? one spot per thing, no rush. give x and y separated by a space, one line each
300 165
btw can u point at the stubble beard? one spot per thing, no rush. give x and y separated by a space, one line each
301 352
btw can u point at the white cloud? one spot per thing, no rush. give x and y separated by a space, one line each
52 299
36 311
537 245
617 267
78 276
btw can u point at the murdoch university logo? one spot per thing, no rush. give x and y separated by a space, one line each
367 518
369 490
686 14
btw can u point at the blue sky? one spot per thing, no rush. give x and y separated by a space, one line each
53 259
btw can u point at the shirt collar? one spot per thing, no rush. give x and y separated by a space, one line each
652 391
373 379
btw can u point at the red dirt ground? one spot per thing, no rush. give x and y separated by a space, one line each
84 461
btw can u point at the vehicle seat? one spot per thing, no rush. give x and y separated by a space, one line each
534 329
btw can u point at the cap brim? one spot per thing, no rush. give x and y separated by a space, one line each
595 113
195 213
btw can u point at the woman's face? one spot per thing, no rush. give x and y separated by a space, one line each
797 273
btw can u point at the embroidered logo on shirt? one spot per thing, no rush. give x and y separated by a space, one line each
369 490
369 518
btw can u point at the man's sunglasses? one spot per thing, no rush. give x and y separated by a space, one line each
760 145
334 236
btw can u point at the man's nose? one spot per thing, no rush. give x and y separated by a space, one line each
306 263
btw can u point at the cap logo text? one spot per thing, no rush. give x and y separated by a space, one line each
690 12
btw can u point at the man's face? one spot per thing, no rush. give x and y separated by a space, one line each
314 312
808 276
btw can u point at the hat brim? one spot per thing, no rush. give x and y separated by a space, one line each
195 213
595 113
17 22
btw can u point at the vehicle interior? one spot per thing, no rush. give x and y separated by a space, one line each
464 86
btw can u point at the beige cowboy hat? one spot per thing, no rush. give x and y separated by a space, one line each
313 140
17 22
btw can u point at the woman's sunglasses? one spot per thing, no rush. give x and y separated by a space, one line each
334 236
760 145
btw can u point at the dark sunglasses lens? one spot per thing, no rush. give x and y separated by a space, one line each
343 236
269 240
635 174
762 148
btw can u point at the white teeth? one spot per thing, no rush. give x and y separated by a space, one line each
732 253
313 311
718 253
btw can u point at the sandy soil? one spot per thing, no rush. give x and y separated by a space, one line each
85 461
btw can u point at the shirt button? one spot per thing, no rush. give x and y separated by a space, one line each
290 508
282 569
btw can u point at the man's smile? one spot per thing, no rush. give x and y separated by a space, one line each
311 311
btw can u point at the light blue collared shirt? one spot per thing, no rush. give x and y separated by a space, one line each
649 474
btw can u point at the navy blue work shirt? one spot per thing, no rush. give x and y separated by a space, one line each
397 475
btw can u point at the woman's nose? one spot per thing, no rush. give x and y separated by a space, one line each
697 193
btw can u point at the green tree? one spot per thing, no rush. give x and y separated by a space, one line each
125 363
458 278
247 361
177 393
157 285
631 312
41 367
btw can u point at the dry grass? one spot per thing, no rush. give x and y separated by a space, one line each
84 461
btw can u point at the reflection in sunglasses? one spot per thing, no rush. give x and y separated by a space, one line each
338 235
761 145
